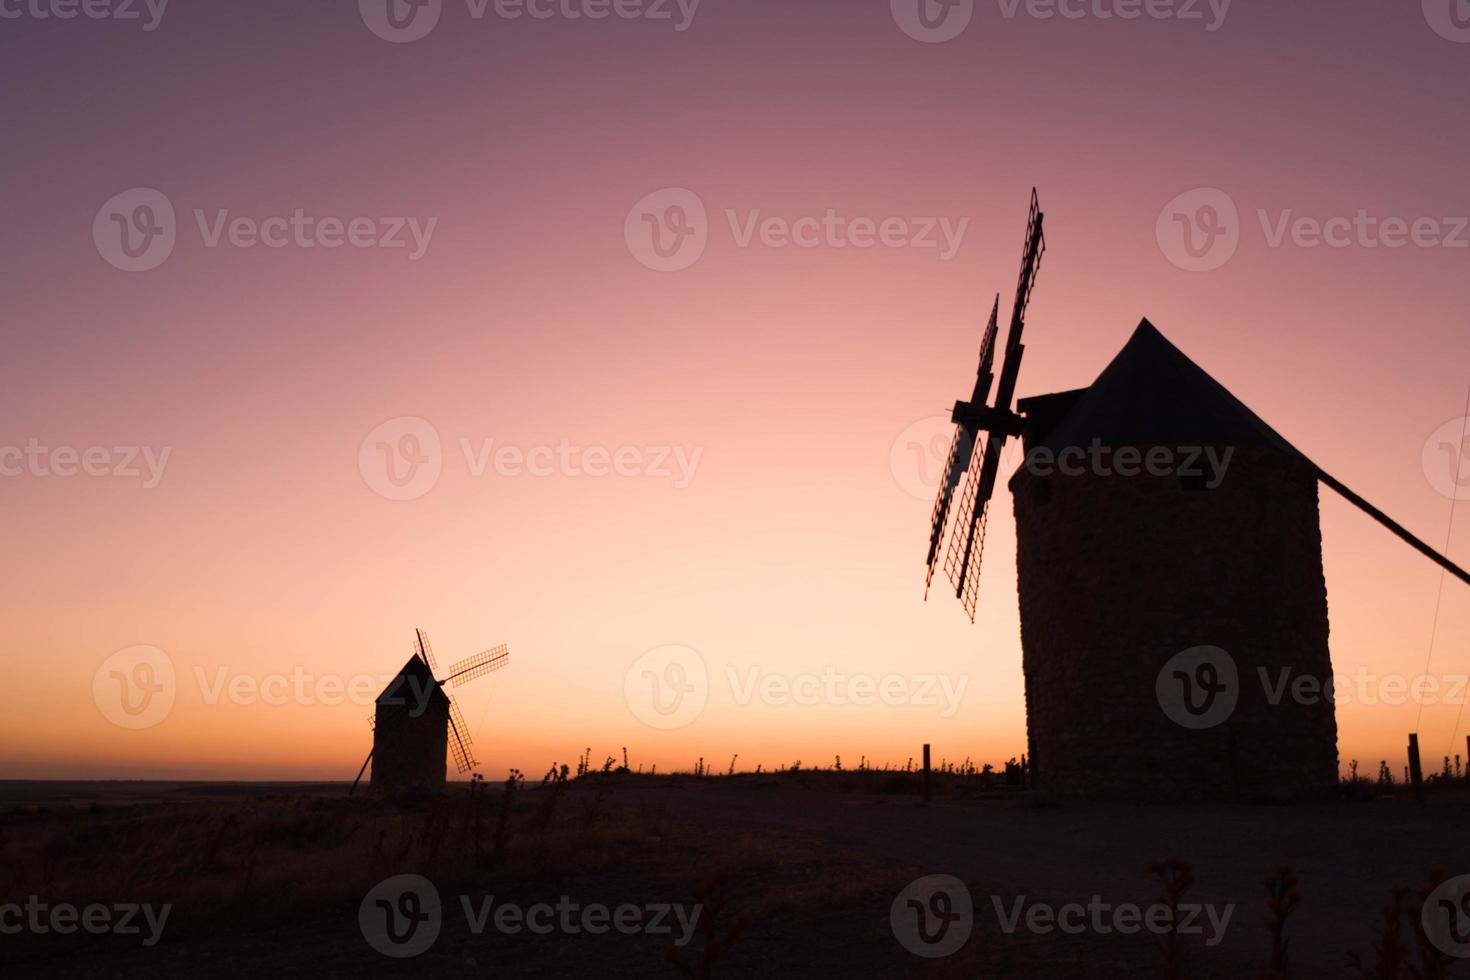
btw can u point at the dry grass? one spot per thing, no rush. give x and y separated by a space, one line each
248 865
266 860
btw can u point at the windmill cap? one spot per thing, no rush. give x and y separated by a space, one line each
1151 394
414 679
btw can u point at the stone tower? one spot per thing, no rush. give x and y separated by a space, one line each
411 731
1169 563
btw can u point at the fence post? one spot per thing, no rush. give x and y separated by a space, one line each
1416 775
927 792
1234 751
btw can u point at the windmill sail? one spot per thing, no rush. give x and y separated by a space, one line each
422 648
459 743
962 562
1010 368
961 449
967 542
479 665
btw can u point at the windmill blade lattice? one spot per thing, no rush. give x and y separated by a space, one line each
953 472
982 429
460 744
479 665
422 648
962 448
967 543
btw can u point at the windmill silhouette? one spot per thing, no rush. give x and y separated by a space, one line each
1120 575
415 722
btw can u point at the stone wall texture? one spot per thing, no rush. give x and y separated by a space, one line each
1117 575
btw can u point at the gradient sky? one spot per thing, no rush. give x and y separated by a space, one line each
802 376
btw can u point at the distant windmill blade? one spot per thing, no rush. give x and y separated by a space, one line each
478 666
422 648
459 746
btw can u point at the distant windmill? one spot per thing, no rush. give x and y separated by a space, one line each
414 720
1119 576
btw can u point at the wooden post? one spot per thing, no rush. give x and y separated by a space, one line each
360 772
1234 750
1416 775
927 790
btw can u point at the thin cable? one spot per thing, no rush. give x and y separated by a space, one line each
1439 596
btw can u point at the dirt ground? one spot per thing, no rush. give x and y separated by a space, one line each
792 877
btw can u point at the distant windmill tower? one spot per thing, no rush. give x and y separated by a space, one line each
414 721
1149 599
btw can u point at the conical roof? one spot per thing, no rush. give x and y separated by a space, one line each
1152 394
411 684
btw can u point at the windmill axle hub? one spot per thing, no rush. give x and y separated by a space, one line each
982 417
